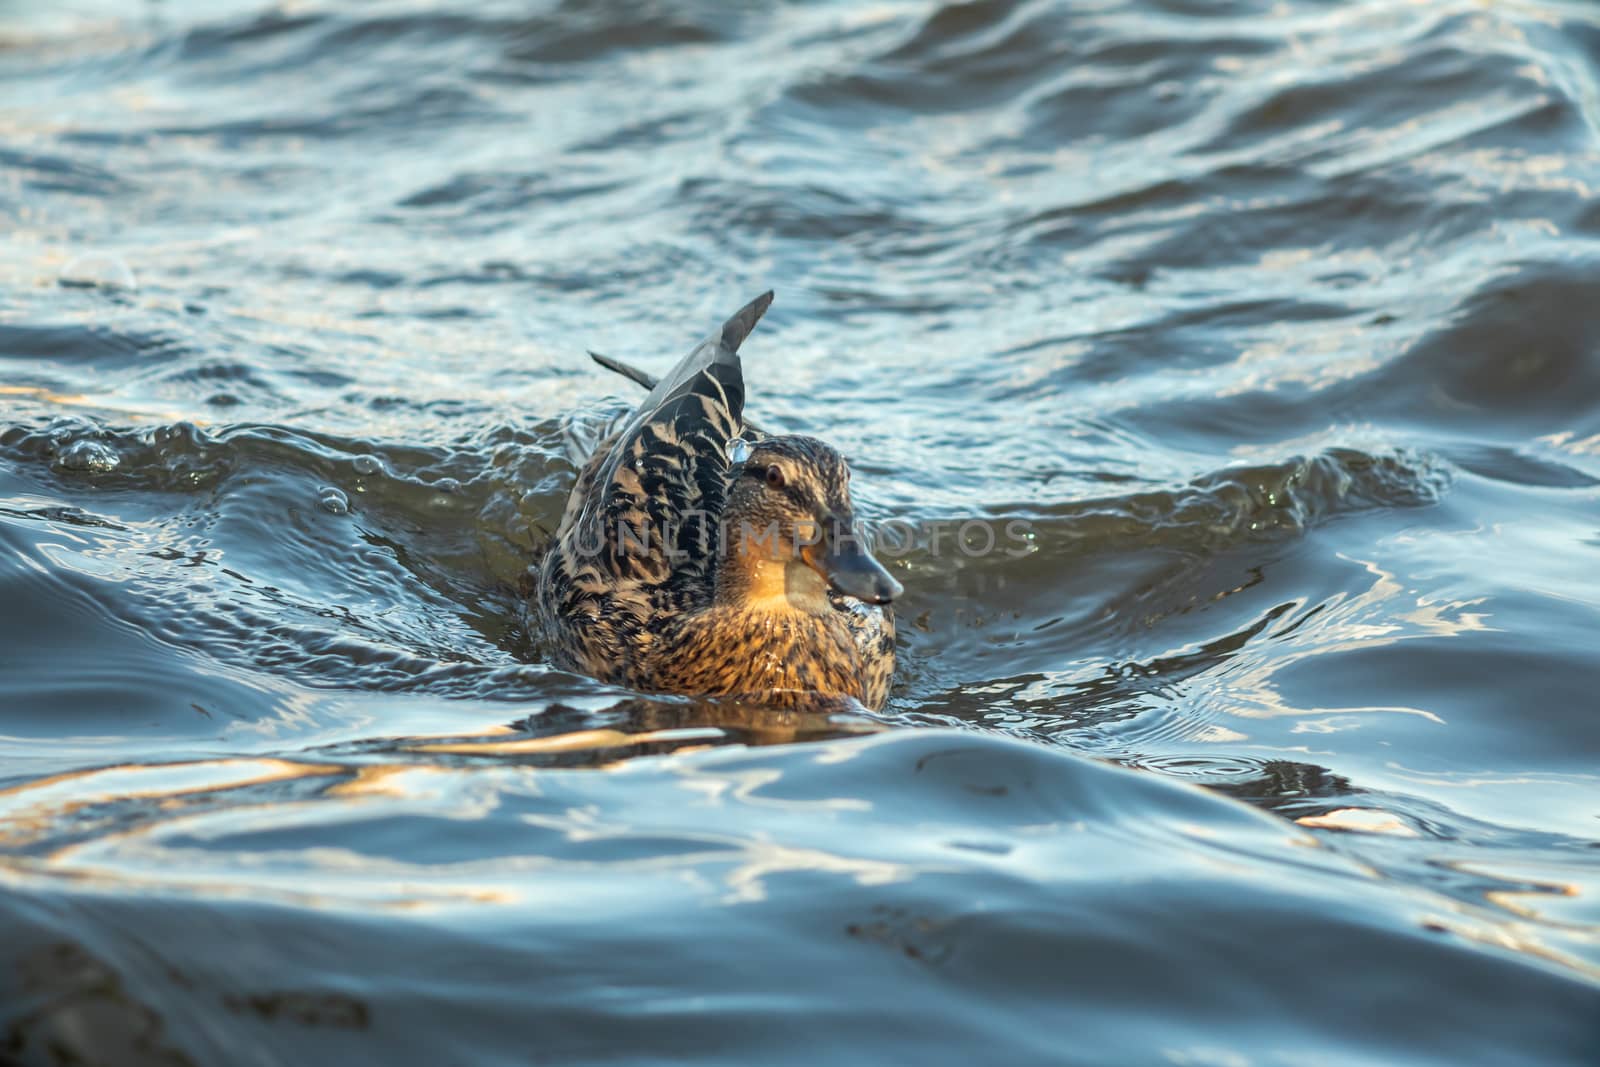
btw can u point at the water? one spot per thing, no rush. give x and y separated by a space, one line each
1273 322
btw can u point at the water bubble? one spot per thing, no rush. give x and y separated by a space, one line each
368 464
738 450
182 432
97 270
447 485
89 455
332 499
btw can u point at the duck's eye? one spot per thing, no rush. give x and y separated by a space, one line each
775 477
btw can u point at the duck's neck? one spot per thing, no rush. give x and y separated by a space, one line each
771 586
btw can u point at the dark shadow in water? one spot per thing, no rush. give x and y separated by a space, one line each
80 1012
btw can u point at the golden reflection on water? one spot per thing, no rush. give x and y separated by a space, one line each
167 826
1359 820
576 741
102 402
1567 441
33 809
746 882
1514 937
1374 618
119 850
161 808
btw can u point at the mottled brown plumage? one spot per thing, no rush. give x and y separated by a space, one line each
697 555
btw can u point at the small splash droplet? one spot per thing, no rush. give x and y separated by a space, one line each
738 450
89 455
332 499
97 270
182 432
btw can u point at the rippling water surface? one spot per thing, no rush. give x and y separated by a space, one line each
1275 322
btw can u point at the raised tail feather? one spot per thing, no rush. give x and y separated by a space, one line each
648 381
734 331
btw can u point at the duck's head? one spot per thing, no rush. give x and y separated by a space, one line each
789 506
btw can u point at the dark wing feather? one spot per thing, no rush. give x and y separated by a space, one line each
649 381
627 370
664 481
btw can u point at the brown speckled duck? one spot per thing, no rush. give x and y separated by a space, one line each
697 555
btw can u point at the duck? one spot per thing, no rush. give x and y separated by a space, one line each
700 555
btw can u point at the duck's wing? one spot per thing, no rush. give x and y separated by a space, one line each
653 498
649 381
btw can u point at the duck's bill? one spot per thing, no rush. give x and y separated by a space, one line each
847 567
